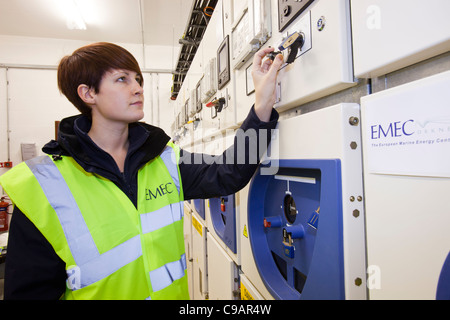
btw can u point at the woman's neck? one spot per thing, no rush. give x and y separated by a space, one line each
113 139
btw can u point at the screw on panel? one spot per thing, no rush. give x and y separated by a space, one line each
356 213
321 23
353 145
358 282
354 121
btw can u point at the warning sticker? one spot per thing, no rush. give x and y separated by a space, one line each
197 225
245 294
245 233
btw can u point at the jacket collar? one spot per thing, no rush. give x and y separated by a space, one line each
146 140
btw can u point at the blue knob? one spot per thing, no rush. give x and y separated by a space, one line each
297 231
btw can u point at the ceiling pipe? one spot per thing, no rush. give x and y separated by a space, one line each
141 18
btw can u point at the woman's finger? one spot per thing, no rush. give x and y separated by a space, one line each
259 56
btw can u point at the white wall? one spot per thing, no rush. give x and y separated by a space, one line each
30 101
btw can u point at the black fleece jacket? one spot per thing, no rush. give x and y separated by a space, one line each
34 271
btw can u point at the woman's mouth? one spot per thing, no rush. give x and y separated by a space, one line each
137 104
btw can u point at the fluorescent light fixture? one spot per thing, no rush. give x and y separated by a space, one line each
74 18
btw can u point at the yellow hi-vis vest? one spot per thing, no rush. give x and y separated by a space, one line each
111 249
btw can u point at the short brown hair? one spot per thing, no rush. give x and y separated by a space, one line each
87 65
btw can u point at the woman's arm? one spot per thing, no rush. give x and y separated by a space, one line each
231 171
33 270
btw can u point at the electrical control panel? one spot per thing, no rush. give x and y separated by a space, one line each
299 41
390 35
223 217
182 114
293 216
305 210
209 80
223 273
288 10
199 205
223 212
248 290
192 106
187 232
200 262
223 63
405 130
185 112
320 63
198 97
299 230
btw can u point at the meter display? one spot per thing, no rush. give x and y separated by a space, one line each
209 82
223 62
251 29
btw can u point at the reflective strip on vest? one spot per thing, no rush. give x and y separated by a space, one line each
91 266
168 156
103 265
168 273
58 194
162 217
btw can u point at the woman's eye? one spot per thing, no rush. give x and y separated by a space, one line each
121 79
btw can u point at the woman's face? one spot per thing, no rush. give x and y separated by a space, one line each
120 97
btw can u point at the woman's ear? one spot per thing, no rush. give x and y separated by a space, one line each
86 94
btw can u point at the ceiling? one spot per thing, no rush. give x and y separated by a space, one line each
163 21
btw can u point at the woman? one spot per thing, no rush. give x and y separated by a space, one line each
101 217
